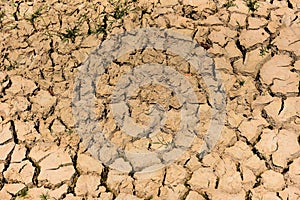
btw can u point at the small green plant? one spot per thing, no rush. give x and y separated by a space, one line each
23 192
35 15
229 3
98 28
252 5
11 66
239 26
44 196
263 51
241 83
162 142
2 15
120 8
70 34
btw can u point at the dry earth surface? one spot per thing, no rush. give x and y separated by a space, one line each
255 46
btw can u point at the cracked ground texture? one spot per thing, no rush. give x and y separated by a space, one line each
255 46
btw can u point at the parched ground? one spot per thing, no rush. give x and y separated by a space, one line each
255 46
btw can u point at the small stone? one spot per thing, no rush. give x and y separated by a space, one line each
291 108
148 184
65 174
124 196
219 195
169 3
273 181
106 196
89 164
240 7
203 178
200 4
288 40
237 19
5 132
72 197
194 196
57 127
273 108
289 85
21 86
231 184
224 166
221 35
119 182
58 192
287 146
256 23
175 175
249 178
52 165
5 149
212 20
290 192
278 62
65 109
232 50
193 164
297 65
87 185
4 109
122 165
43 102
19 153
21 172
251 129
256 165
19 104
26 131
294 171
173 192
268 143
4 195
251 65
248 40
239 151
13 188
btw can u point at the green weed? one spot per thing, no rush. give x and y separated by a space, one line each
241 83
229 3
70 34
263 51
121 8
44 196
2 15
23 192
252 5
35 15
162 142
11 66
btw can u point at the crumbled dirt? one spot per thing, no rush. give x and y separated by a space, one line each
255 46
